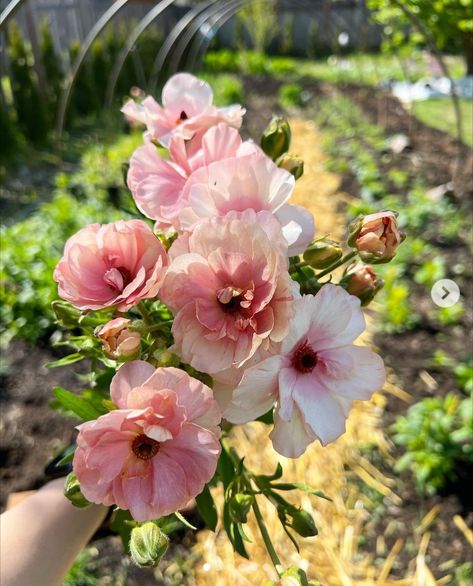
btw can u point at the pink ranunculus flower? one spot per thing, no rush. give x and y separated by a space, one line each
378 237
107 265
314 377
157 450
119 343
187 108
229 289
157 183
247 181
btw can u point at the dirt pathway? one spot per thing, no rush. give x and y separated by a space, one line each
334 557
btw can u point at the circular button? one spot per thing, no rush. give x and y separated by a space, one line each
445 293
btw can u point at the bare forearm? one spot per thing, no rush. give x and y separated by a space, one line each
40 537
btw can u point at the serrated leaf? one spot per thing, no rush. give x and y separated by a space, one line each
207 508
81 406
70 359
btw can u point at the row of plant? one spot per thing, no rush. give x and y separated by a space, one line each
436 431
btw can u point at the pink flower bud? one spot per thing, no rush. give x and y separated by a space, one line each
378 237
119 343
362 282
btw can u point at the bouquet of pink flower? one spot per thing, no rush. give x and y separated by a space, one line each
225 312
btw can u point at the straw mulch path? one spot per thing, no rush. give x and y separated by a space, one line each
334 557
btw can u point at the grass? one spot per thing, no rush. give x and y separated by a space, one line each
440 114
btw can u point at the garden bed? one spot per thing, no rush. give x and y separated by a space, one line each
32 432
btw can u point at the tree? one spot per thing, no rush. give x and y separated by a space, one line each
448 23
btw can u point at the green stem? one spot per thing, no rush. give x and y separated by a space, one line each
144 313
266 538
337 264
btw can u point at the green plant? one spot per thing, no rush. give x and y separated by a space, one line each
52 69
289 95
30 107
31 248
436 433
261 22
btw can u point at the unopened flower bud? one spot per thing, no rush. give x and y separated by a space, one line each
118 341
303 523
73 493
295 165
362 282
322 253
239 507
376 237
292 577
148 544
276 138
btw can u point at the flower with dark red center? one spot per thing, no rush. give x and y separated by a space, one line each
157 450
315 375
304 358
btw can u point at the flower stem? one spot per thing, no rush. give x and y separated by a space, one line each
144 313
337 264
266 538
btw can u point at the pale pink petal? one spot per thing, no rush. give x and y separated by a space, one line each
256 393
197 451
129 376
320 409
297 226
352 371
291 438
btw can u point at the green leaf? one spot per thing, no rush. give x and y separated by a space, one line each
207 508
266 418
299 486
68 456
81 406
183 520
122 523
225 468
70 359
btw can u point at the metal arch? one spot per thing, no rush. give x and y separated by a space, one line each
173 36
9 11
193 28
220 21
144 23
84 49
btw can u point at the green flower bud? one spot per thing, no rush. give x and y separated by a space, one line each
148 544
276 138
239 507
73 493
303 523
295 165
322 253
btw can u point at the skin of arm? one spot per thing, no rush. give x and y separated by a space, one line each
41 537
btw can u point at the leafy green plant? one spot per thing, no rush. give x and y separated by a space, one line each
437 436
31 248
29 106
289 95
